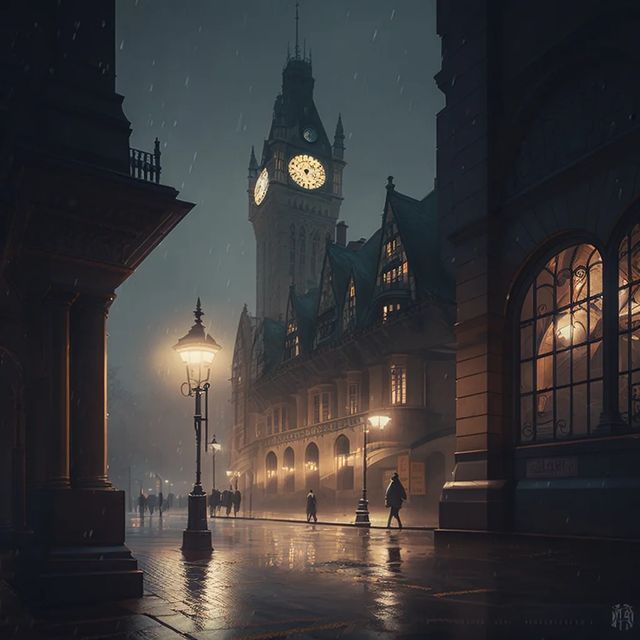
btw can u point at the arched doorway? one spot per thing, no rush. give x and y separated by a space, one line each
288 468
11 449
312 467
271 464
344 465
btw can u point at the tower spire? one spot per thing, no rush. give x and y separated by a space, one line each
297 32
253 164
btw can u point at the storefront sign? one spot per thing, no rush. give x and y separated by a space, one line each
552 467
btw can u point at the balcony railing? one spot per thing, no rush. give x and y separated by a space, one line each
144 165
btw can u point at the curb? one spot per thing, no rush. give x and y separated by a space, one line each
322 522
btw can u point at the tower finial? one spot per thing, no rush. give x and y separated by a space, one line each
198 313
297 29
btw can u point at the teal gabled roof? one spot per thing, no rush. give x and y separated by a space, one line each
417 222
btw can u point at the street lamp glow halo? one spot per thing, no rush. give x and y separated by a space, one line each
379 421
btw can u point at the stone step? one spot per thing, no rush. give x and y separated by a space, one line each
97 586
90 565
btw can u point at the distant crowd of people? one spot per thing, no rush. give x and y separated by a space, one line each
227 500
230 500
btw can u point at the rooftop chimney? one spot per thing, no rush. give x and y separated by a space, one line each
341 233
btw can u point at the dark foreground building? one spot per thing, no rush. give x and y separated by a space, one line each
538 196
79 211
343 330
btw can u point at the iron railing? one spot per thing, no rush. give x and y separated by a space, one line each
144 165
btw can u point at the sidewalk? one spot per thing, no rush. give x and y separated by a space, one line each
417 521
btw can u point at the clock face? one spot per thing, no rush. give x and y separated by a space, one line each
262 186
307 171
310 134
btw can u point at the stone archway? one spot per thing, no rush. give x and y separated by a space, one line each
312 467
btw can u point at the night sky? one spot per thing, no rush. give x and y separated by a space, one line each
202 76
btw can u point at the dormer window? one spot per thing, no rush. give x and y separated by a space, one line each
390 310
292 340
349 312
326 308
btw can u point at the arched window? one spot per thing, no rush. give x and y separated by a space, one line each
561 348
271 465
629 327
344 463
312 466
288 468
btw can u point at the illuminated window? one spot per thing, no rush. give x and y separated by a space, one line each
390 310
312 465
353 398
288 469
396 275
390 248
349 313
321 407
398 375
271 472
561 348
629 327
292 341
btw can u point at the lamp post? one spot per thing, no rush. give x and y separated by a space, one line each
214 447
362 510
197 350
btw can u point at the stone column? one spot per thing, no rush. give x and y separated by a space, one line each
89 391
57 436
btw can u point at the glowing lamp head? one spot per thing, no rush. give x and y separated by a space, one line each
214 445
197 350
379 421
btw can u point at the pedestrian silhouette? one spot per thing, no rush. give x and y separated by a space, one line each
152 501
226 500
237 498
142 505
393 499
311 506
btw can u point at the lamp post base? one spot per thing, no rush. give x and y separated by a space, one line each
362 513
196 538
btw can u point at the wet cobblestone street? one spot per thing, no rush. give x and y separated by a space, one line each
280 580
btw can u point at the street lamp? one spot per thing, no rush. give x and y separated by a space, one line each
362 510
214 447
197 350
235 475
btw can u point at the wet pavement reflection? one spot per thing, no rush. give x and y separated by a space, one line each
269 579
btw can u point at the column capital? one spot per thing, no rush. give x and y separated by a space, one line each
101 301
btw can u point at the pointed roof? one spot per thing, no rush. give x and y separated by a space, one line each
304 307
253 162
417 222
339 135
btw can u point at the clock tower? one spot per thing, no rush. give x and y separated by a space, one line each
295 192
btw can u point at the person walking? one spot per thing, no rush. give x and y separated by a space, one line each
160 503
225 501
311 506
237 498
217 502
229 503
394 498
152 500
142 505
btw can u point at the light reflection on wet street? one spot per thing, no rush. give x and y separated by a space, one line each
269 579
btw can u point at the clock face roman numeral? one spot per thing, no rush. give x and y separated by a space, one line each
307 171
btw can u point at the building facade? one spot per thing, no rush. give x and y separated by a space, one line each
373 336
537 193
79 211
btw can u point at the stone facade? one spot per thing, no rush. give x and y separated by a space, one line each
537 174
79 211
